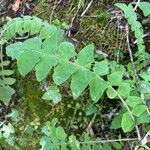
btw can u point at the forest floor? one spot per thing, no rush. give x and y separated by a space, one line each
91 21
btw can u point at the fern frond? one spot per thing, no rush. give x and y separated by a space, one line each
58 56
136 26
6 91
49 50
145 7
19 27
29 25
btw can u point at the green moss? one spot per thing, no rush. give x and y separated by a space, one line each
92 28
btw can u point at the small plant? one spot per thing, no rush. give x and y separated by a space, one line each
136 26
56 138
6 91
47 51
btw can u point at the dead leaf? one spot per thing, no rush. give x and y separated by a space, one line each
15 7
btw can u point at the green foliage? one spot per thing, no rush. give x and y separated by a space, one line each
46 51
145 7
20 26
7 134
49 50
136 26
43 57
52 94
6 91
127 123
55 138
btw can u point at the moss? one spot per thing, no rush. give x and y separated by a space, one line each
92 28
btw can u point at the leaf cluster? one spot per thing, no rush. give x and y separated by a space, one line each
47 51
54 137
136 26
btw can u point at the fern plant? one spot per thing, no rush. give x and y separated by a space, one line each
48 51
26 26
55 138
136 26
6 91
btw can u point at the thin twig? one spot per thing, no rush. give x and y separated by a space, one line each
1 59
133 65
109 141
134 68
71 24
89 127
130 52
52 12
137 4
128 109
87 8
53 9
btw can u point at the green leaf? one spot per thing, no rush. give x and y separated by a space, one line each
44 66
101 68
25 54
124 89
80 81
25 58
97 88
66 50
145 7
27 24
145 76
32 44
86 56
62 72
14 50
141 148
14 115
47 31
5 63
122 6
50 45
10 32
45 142
133 101
47 61
60 133
6 72
116 122
139 109
52 94
111 93
117 145
106 147
18 25
90 109
36 25
7 81
115 78
74 143
144 87
143 118
6 93
127 123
